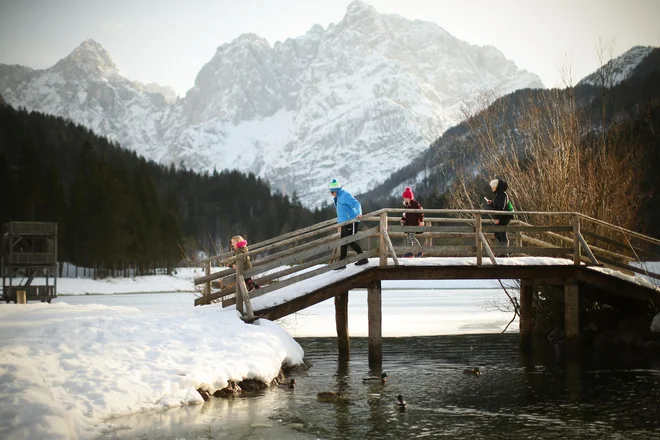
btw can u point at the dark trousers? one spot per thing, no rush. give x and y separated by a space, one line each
502 238
347 230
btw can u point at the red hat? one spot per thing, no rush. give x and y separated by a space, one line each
408 194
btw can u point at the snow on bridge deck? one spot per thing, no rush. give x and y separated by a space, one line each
310 285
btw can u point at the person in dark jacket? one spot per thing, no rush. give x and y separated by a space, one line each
348 208
499 203
411 219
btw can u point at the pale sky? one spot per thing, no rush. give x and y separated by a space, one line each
168 41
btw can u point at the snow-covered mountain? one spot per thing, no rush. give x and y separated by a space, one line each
87 87
617 69
354 101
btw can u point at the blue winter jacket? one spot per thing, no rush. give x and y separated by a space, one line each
347 206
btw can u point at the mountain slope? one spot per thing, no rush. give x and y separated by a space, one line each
354 101
631 107
617 69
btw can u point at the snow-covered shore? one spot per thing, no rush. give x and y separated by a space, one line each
66 370
180 281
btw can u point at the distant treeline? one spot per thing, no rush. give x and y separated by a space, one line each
115 208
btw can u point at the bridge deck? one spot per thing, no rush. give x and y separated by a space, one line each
545 271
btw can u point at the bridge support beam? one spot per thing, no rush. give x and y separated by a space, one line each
571 311
526 312
341 319
374 311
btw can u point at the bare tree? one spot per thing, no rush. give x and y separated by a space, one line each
545 149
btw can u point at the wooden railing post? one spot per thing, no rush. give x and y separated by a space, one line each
239 276
207 285
576 241
430 238
21 297
245 295
383 240
477 238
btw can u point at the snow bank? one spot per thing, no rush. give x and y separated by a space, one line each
655 324
66 370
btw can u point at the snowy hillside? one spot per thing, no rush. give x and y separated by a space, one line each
617 69
354 101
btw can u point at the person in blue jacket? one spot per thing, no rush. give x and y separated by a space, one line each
348 208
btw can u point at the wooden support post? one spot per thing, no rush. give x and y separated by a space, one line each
571 311
576 242
383 241
207 272
526 312
341 319
477 230
21 297
239 274
374 311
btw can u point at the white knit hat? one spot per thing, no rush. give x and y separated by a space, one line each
494 183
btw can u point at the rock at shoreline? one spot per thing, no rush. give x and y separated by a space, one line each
288 370
232 389
204 393
235 388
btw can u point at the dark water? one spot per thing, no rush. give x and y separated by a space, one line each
544 395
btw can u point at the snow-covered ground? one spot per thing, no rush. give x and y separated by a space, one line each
66 369
180 281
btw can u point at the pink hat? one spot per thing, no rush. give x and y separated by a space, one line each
408 194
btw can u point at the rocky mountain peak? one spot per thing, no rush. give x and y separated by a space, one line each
90 56
361 17
357 7
349 101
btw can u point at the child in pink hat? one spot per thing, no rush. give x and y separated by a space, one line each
411 219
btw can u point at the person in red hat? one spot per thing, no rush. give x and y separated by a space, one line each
411 219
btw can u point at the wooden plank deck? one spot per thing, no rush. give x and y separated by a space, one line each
557 275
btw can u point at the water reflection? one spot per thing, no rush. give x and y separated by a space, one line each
545 393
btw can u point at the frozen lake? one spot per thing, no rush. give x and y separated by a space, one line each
407 311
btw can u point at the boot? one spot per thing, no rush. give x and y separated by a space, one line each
504 243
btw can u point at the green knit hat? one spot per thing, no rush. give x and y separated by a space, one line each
334 185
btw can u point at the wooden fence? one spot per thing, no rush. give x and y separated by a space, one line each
305 253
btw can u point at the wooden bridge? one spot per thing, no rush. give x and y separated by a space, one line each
590 260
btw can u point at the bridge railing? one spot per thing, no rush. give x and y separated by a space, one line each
299 255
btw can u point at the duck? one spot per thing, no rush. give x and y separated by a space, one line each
374 379
400 402
330 396
232 389
472 372
290 384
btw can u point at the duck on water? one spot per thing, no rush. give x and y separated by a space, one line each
375 379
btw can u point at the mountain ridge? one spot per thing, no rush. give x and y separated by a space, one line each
351 101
